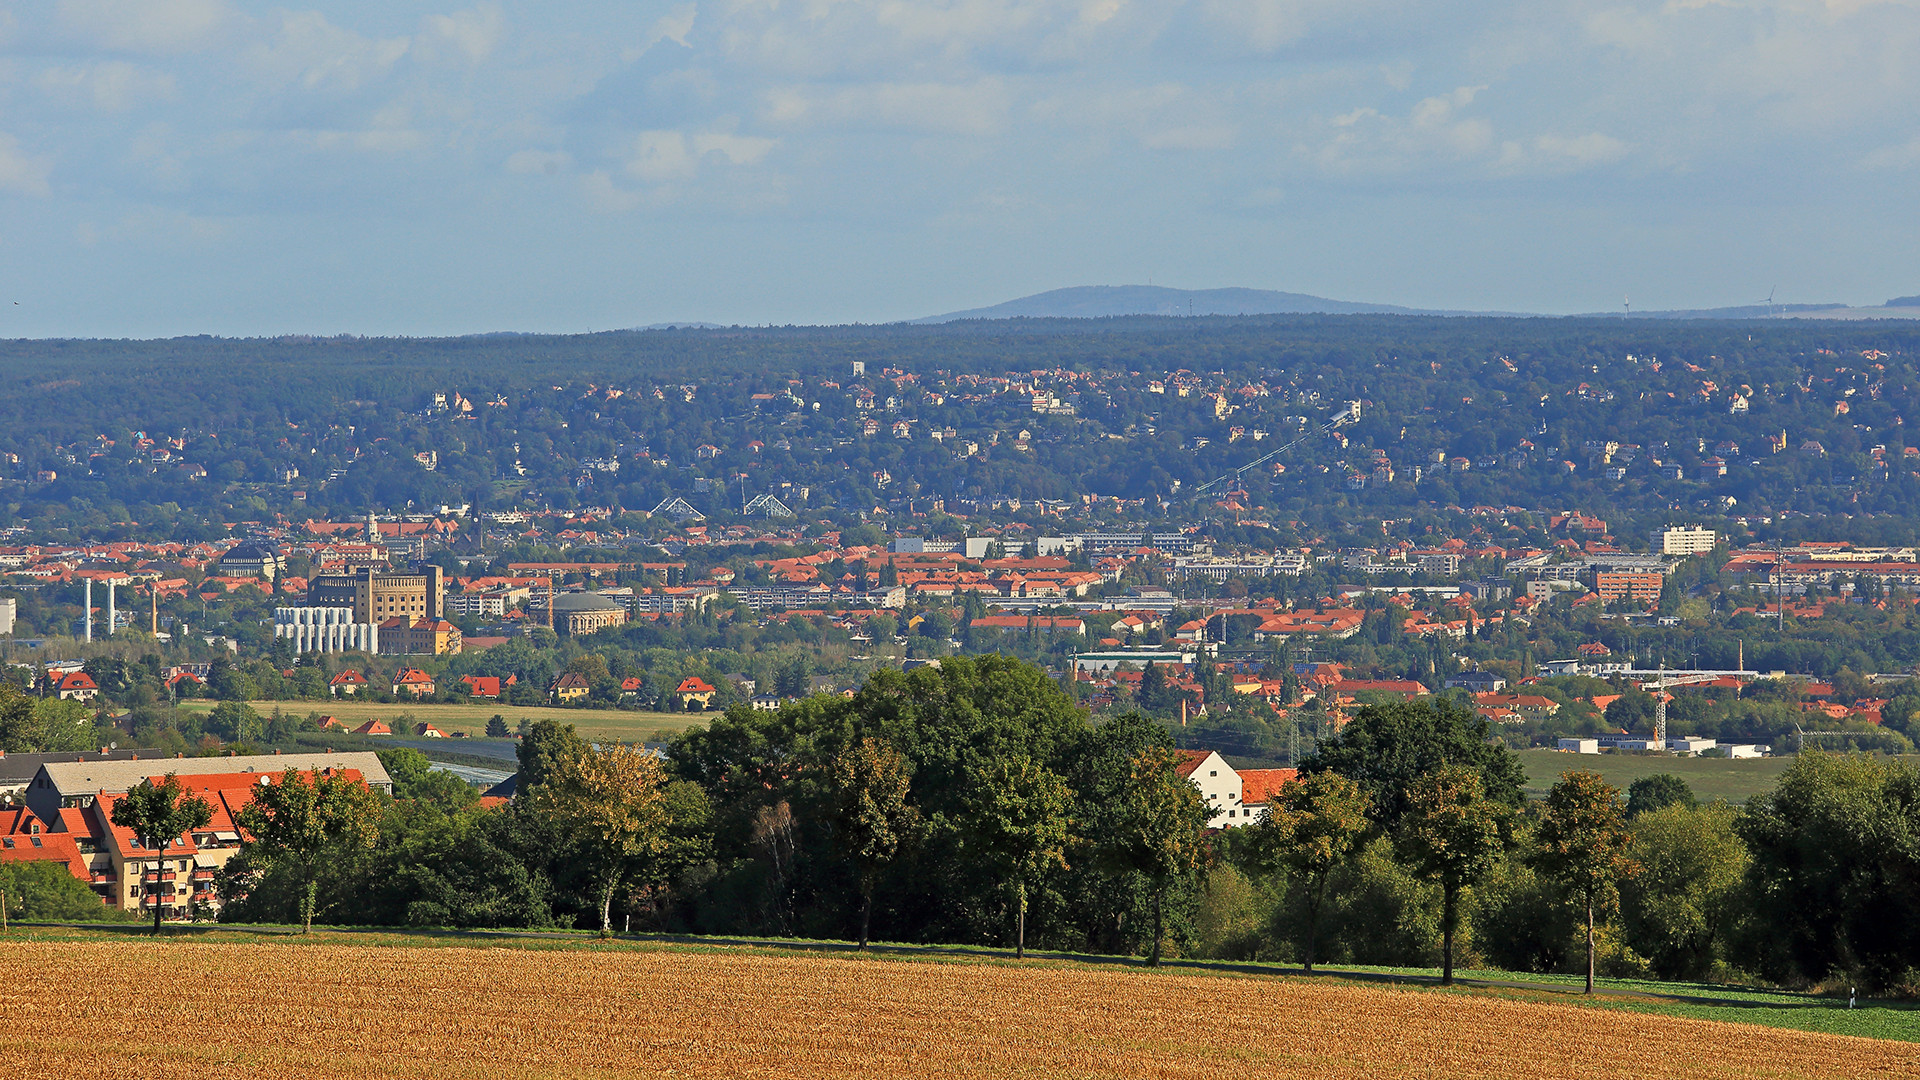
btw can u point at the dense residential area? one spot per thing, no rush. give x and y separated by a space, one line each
1121 657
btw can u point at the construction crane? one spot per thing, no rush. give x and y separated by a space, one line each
1678 678
1346 416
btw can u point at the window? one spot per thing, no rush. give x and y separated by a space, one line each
1213 772
8 841
36 842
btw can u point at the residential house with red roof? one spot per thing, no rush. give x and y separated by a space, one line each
373 727
485 686
347 683
694 690
1236 797
413 681
77 686
1259 785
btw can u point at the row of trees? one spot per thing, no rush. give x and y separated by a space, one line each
973 803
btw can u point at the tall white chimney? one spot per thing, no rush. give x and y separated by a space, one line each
89 606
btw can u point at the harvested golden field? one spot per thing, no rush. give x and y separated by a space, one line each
216 1010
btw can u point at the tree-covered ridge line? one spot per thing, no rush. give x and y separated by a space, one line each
1512 399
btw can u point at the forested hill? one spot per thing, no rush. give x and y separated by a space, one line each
1544 413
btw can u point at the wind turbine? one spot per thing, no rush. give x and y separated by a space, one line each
1769 300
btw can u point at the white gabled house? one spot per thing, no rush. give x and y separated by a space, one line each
1236 796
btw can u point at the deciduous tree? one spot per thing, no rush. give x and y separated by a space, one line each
1019 817
158 815
299 824
1387 747
1451 833
1314 824
612 800
1584 844
872 819
1158 831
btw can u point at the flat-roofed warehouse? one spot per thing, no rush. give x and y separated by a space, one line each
69 784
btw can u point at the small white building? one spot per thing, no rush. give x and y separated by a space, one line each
1579 746
1691 746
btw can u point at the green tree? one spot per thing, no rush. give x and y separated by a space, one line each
1019 817
1161 818
1313 826
1836 859
545 747
497 727
300 824
1680 910
30 725
236 721
1583 843
158 815
611 801
48 891
872 819
791 680
1451 833
1657 792
1388 747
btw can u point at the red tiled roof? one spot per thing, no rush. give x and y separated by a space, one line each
1258 785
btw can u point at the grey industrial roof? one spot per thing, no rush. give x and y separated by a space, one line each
584 601
17 769
113 777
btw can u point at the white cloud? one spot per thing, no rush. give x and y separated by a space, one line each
1434 132
662 156
674 26
109 86
156 27
603 195
22 173
977 108
317 55
472 34
1559 154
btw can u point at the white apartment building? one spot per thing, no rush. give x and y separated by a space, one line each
1685 540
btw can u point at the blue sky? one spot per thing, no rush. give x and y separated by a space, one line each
188 166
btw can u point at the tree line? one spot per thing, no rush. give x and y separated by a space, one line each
973 803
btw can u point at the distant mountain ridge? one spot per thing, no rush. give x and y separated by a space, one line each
1108 301
1113 301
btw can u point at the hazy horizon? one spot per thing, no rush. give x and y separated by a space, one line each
205 166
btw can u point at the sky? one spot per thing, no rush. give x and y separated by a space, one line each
217 166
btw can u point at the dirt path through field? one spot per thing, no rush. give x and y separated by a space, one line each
277 1010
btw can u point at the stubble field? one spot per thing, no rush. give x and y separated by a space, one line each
125 1008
